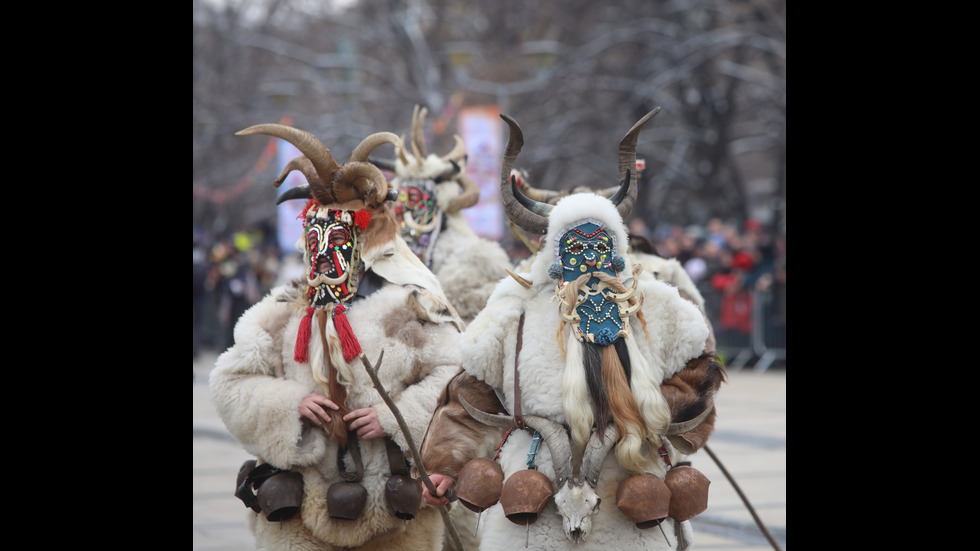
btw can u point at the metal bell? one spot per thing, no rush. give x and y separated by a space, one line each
243 486
281 495
480 482
404 496
346 500
644 499
524 495
688 492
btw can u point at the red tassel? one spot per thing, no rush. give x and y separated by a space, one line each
302 352
348 341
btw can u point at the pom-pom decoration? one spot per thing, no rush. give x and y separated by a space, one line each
617 264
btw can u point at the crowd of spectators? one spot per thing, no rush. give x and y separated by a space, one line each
734 265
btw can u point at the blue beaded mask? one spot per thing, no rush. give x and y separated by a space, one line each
587 248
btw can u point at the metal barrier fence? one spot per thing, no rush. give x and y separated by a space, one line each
764 343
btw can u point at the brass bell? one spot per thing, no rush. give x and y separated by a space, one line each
281 495
404 496
644 499
480 482
688 492
525 495
345 500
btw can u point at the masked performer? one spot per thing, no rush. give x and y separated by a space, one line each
332 468
594 376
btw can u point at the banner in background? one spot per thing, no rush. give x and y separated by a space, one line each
480 127
288 226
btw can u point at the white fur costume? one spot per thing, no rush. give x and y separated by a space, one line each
257 387
677 333
467 266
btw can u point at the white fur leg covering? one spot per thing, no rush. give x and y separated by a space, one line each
645 382
575 392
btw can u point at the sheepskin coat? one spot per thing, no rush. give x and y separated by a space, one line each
675 334
257 386
468 266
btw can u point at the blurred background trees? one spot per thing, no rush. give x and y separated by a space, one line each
575 74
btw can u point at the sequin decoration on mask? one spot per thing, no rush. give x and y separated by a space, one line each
586 267
421 218
334 254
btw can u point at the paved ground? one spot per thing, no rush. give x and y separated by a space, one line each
749 441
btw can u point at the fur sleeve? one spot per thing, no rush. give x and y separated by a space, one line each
433 364
256 404
689 393
676 327
482 343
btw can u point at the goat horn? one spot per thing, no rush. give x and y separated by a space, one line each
301 164
299 192
307 143
517 213
352 175
400 150
553 433
468 196
541 195
459 149
595 453
418 141
368 145
421 228
384 164
624 200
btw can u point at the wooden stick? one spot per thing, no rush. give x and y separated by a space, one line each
446 519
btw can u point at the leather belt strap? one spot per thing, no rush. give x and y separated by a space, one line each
518 418
397 462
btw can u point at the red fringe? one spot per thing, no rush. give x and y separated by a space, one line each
348 341
302 352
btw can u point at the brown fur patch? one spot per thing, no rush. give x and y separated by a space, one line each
382 229
621 402
404 325
453 437
691 391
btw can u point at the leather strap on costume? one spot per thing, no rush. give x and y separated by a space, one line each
397 462
518 418
689 425
354 448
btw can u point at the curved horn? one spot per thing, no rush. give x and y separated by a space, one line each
303 165
383 164
541 195
459 149
307 143
627 167
421 228
559 442
595 453
418 140
400 150
299 192
537 207
350 183
368 145
468 196
553 433
516 211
